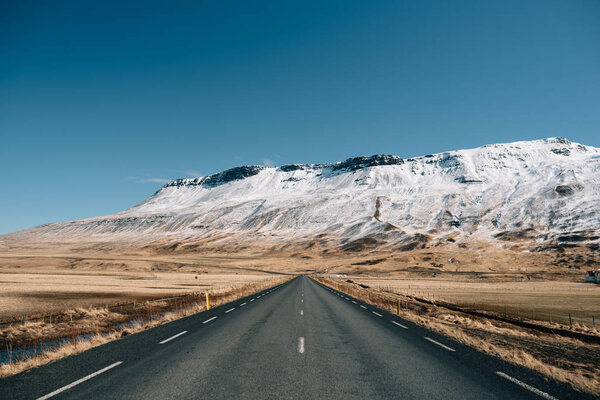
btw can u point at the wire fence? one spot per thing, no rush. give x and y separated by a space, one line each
536 310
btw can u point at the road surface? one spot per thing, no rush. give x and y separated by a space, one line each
300 340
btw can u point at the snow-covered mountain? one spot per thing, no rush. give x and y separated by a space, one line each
537 190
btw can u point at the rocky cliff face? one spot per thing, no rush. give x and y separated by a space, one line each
543 191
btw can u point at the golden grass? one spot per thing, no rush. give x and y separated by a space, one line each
537 300
563 358
56 289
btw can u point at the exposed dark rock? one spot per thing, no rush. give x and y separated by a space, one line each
221 178
561 151
370 262
575 237
528 233
361 244
232 174
292 167
568 190
562 140
464 179
356 163
414 242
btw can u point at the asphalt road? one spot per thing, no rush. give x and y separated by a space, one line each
300 340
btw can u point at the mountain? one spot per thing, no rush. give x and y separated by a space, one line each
537 192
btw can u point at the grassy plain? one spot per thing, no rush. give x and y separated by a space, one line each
54 277
539 300
50 283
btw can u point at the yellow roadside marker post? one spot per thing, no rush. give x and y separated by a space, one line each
399 307
207 302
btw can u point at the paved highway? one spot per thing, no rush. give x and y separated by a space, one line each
300 340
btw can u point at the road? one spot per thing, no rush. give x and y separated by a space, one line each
300 340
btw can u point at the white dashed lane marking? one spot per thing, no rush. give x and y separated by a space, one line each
210 319
526 386
301 345
77 382
173 337
399 324
439 344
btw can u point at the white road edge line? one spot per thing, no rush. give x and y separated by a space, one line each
77 382
301 345
439 344
230 310
208 320
526 386
363 307
376 313
399 324
251 299
301 312
173 337
353 301
243 304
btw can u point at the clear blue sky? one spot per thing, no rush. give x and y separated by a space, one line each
101 101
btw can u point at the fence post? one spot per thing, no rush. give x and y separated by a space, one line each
570 322
207 302
594 321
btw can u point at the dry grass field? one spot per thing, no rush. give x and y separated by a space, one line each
538 300
56 290
54 277
50 282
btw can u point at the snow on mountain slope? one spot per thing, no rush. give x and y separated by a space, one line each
542 190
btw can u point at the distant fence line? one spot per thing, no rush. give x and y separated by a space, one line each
419 305
570 318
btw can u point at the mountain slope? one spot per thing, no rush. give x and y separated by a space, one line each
537 191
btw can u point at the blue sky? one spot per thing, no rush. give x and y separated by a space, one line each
101 101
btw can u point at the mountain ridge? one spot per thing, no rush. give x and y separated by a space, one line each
536 191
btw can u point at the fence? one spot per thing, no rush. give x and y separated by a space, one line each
540 312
